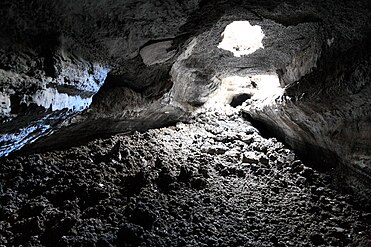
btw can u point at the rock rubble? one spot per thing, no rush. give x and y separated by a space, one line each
213 182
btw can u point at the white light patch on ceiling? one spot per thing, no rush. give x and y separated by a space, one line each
241 38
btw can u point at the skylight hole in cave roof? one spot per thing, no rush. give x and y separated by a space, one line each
241 38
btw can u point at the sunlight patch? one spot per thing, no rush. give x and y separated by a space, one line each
241 38
234 90
267 86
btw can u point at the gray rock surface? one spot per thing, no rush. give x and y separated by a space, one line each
72 70
159 188
160 58
329 125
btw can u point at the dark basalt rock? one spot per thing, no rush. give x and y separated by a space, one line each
75 71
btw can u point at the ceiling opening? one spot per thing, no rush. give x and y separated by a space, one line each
241 38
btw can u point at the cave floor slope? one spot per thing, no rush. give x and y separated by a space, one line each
213 182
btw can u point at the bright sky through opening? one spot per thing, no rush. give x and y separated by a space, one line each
241 38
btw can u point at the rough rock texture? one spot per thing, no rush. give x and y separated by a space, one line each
213 182
326 115
144 64
161 58
57 55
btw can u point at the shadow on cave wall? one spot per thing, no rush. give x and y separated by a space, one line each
318 158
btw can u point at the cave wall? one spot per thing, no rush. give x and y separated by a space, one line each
71 70
334 118
55 56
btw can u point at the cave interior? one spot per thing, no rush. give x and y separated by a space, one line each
185 123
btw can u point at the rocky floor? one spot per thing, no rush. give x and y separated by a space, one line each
213 182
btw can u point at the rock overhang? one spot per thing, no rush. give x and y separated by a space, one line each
151 65
208 65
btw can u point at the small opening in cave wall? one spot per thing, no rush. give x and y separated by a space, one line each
239 99
235 90
242 38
